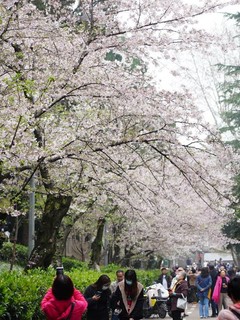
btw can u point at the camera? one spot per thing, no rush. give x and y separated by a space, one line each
99 293
59 270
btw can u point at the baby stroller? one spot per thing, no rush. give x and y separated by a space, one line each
155 301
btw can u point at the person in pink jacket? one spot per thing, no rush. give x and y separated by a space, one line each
220 291
63 301
233 290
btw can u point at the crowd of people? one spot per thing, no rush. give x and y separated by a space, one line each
214 287
210 287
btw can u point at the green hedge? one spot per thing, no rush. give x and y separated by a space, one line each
6 253
71 263
21 293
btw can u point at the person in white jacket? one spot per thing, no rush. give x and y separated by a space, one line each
233 290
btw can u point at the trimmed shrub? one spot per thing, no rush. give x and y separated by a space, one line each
6 253
21 294
71 263
147 277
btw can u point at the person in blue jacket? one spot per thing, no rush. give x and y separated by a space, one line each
203 283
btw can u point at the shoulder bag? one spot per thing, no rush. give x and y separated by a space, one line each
209 293
71 311
182 302
235 313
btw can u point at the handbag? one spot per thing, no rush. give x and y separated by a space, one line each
70 313
209 293
182 302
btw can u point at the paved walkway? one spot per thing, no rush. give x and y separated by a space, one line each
192 312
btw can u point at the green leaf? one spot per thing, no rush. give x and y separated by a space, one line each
112 56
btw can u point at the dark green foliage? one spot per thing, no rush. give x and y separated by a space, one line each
39 4
231 229
148 277
6 253
235 17
21 293
133 63
231 98
138 64
70 263
231 92
112 56
111 268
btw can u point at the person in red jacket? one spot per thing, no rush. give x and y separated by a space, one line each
220 291
63 301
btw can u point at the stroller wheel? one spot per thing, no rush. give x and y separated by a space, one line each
162 313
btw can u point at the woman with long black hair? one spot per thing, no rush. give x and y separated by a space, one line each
63 300
98 298
128 298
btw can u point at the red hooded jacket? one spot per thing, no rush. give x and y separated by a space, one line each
227 314
59 309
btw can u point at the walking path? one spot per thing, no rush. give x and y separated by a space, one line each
192 312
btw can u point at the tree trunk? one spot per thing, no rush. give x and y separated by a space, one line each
56 207
116 257
14 244
126 261
115 248
97 244
235 250
63 234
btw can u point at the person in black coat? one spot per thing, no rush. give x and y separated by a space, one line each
98 298
164 278
128 299
213 274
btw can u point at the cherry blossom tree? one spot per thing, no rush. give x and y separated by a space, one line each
81 112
